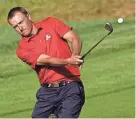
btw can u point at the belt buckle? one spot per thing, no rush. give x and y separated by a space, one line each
53 85
56 85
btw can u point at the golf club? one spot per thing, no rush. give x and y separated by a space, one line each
107 26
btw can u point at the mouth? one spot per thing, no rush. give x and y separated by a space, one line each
24 31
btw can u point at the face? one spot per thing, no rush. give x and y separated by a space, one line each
22 24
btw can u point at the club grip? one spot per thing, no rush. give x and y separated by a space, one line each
82 58
84 55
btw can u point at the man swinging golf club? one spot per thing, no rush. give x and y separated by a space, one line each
44 47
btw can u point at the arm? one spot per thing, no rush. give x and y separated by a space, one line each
75 41
76 44
38 58
54 61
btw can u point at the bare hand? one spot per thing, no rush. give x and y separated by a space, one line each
75 60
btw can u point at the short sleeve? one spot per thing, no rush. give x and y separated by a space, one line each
60 27
29 57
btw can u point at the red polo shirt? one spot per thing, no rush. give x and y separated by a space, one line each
48 40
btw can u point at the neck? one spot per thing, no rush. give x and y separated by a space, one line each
34 30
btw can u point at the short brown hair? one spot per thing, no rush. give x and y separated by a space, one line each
16 9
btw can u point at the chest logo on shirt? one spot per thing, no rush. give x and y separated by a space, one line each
48 37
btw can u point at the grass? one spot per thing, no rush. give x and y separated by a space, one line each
71 9
108 72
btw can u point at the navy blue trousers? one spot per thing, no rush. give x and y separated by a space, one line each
64 102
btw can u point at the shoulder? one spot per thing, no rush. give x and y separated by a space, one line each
50 20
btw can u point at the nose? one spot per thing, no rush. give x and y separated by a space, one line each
20 27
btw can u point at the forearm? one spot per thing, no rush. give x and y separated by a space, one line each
76 46
52 61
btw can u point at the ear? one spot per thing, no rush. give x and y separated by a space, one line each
29 17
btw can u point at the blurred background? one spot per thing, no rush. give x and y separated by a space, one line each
108 72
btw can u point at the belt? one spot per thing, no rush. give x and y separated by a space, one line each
55 85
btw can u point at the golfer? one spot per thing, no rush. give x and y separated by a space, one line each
44 46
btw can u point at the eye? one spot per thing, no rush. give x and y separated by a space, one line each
15 26
20 22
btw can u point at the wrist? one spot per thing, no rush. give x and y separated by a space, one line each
67 61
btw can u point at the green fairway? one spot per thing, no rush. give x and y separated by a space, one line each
107 74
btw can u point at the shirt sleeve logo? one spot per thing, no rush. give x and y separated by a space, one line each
48 37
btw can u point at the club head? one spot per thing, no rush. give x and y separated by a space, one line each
108 27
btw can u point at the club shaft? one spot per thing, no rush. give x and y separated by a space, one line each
94 47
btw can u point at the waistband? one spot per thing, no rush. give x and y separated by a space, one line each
55 85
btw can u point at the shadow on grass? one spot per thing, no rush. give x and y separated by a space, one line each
110 92
93 96
15 112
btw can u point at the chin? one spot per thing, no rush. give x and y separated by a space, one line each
26 34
